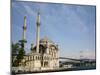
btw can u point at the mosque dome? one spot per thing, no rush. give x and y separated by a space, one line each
46 40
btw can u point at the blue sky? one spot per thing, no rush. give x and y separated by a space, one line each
72 27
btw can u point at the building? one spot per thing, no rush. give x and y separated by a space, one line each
43 55
45 59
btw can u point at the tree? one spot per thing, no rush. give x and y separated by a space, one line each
21 52
18 53
15 49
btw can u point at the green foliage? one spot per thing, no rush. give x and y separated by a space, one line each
17 53
15 48
20 54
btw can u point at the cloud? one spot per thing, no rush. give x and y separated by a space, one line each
77 23
28 9
89 54
17 7
86 54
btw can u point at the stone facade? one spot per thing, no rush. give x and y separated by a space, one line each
46 59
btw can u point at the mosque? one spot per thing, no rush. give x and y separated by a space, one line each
43 55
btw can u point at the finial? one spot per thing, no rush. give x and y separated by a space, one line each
38 18
24 21
24 17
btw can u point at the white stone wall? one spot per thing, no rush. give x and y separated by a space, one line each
33 60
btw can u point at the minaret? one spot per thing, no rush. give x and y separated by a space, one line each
38 33
23 41
24 29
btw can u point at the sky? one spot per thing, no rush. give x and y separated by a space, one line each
72 27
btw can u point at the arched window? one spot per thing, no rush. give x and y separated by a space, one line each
33 57
28 58
45 64
36 57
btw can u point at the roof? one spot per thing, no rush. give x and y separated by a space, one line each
46 39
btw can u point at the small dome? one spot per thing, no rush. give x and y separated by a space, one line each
45 40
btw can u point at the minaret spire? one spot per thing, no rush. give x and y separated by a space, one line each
38 32
38 18
24 29
23 41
